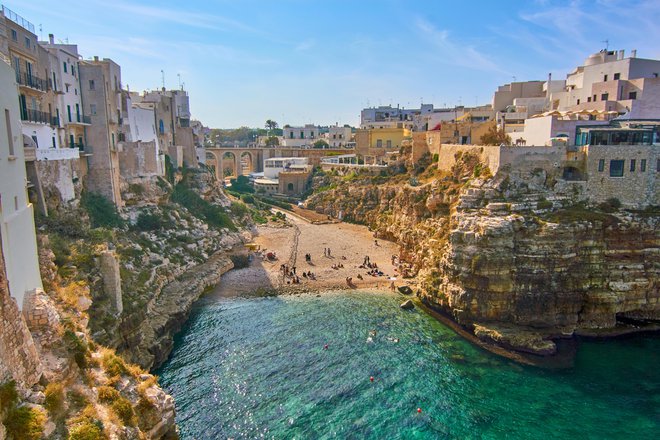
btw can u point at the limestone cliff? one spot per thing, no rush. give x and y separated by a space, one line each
517 259
147 269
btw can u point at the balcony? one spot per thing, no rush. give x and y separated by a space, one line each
55 121
35 116
17 19
79 120
31 81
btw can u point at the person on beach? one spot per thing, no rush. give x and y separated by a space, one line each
392 286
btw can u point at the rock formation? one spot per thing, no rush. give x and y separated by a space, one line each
518 259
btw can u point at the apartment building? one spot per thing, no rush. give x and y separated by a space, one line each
339 137
304 136
102 97
17 234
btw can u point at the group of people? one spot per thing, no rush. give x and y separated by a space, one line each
338 266
326 252
308 258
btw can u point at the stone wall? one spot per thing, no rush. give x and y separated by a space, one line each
59 180
138 159
635 188
19 359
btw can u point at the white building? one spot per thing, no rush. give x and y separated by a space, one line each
608 81
17 230
338 137
300 136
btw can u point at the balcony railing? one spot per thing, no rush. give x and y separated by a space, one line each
80 119
35 116
32 81
17 19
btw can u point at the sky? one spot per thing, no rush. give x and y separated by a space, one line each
321 62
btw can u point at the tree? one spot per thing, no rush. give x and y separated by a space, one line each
272 141
495 137
320 144
271 125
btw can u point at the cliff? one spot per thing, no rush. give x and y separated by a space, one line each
146 268
517 259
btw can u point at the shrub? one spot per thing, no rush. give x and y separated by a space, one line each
247 198
238 209
102 212
25 423
77 347
241 184
77 400
136 188
54 397
148 222
212 214
87 430
124 410
113 364
610 205
8 395
436 157
108 394
544 204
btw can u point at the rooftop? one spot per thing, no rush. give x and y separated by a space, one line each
17 19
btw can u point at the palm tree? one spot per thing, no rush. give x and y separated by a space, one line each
271 125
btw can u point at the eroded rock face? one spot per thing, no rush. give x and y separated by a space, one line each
510 253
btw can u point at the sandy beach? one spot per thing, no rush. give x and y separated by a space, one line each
348 244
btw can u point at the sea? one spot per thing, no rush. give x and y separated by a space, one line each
353 365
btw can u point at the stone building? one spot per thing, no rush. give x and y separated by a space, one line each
373 144
102 96
300 136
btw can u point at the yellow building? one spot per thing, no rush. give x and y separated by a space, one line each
372 144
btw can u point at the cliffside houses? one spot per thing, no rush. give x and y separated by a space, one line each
81 125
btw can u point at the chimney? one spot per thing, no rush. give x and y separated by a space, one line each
51 38
621 53
633 53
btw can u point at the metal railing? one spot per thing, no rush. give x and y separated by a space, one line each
35 116
23 79
17 19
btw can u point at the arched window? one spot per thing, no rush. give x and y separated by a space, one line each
289 187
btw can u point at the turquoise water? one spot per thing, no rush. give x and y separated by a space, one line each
257 368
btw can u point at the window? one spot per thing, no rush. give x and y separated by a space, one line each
10 139
595 98
617 76
302 135
27 42
578 101
36 140
66 86
73 70
616 168
92 109
601 165
54 146
632 95
588 99
657 166
632 165
604 96
389 143
64 64
289 187
379 143
605 78
68 112
91 84
642 165
14 35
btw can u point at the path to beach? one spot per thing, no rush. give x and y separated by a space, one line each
292 242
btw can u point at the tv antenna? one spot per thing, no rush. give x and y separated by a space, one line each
178 75
607 44
162 74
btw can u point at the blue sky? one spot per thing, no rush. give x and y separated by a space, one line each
321 62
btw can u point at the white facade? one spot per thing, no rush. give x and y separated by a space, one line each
19 244
339 136
274 166
300 136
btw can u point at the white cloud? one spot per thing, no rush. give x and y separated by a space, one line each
455 52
